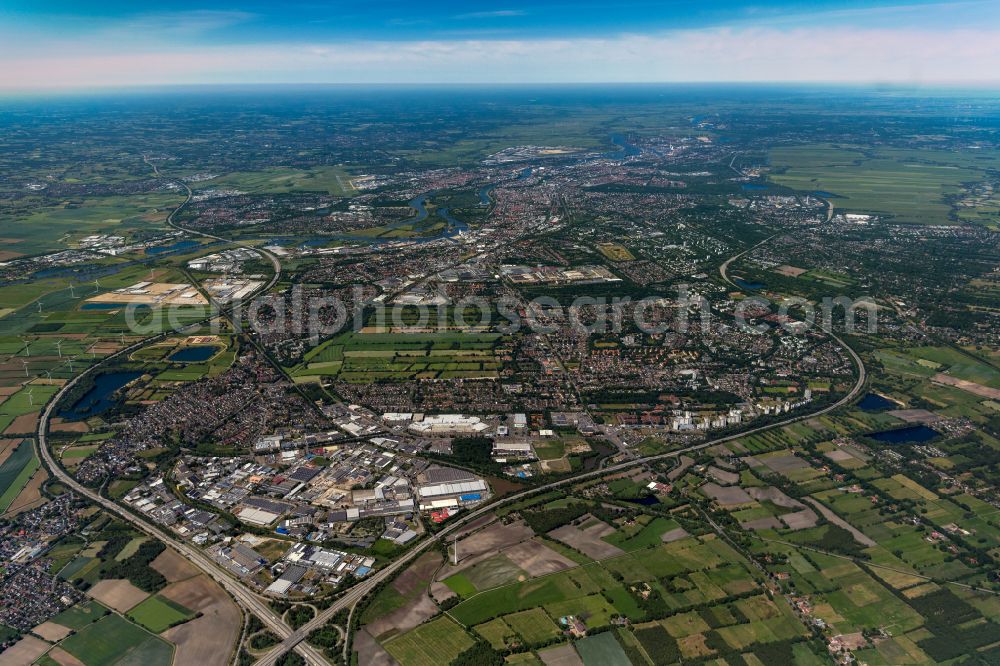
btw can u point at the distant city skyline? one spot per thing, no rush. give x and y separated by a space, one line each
65 45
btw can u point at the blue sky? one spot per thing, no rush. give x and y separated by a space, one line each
63 44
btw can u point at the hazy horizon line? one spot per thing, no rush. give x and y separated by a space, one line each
957 85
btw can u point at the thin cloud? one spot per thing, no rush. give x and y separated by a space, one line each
846 55
500 13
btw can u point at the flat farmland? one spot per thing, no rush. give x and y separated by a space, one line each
159 614
534 625
15 472
909 185
114 640
365 357
436 642
48 228
280 180
523 596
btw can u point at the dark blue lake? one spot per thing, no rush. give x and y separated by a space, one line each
748 285
825 195
873 402
918 433
111 306
195 354
173 247
754 186
645 500
98 399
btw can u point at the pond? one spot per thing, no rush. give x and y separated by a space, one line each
645 500
98 399
194 354
112 306
873 402
748 285
173 247
917 433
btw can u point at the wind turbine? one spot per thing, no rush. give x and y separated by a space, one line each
70 361
27 349
71 292
59 347
39 306
97 286
25 367
31 400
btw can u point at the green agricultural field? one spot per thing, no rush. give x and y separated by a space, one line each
53 227
602 650
909 185
649 535
281 180
436 642
16 471
493 572
460 585
534 625
418 575
158 613
366 357
553 589
63 552
594 608
113 640
495 632
79 616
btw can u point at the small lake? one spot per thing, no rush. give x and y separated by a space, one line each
873 402
194 354
112 306
918 433
748 285
98 399
645 500
754 186
173 247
